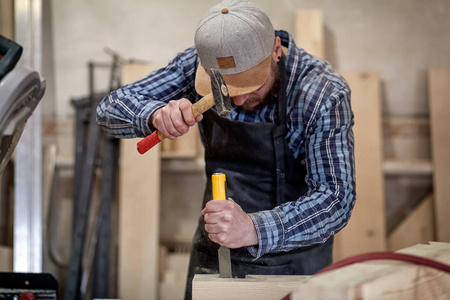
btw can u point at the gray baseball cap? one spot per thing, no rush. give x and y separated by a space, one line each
235 37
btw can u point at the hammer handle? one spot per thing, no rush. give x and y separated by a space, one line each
153 139
203 105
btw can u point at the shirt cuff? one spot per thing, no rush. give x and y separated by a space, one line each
142 116
270 231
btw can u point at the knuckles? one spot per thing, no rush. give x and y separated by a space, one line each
228 218
185 104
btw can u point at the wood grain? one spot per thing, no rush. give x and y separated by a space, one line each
309 32
439 100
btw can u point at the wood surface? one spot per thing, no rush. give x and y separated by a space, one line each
138 213
309 32
174 274
383 279
6 259
185 146
7 18
417 228
257 287
439 100
422 167
368 280
366 230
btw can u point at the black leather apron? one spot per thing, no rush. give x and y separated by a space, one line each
261 173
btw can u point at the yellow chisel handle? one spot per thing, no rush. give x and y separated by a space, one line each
218 186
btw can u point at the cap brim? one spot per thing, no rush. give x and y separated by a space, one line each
237 84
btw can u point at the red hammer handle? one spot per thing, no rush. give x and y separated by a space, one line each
149 141
153 139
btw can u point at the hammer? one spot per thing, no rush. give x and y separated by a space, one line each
219 97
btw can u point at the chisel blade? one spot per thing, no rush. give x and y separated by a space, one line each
224 262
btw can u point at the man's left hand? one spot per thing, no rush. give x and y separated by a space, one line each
228 225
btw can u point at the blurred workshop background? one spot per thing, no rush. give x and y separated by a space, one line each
133 216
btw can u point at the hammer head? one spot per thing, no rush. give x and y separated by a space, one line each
220 93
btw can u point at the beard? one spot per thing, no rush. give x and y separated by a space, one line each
268 98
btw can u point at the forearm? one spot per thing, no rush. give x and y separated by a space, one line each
312 219
126 112
124 116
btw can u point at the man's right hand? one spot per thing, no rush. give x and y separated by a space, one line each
174 119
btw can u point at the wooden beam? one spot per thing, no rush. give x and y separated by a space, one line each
309 32
257 287
138 214
417 228
439 99
366 230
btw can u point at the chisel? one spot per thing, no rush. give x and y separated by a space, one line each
218 190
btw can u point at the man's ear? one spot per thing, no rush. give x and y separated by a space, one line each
277 49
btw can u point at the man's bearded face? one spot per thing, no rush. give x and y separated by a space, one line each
262 96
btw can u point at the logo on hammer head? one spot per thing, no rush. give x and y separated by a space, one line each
224 89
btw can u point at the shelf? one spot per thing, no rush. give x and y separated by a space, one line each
182 165
408 167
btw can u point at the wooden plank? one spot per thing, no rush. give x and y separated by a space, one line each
7 18
439 99
138 215
138 222
134 71
417 228
366 231
406 138
185 146
309 32
173 283
382 279
257 287
6 259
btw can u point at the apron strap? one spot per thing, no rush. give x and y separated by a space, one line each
279 133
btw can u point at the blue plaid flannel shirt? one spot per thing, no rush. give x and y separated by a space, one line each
319 125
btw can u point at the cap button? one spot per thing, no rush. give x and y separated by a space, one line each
224 10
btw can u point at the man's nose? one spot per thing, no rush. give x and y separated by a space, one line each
239 100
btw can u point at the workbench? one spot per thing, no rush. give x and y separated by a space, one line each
365 280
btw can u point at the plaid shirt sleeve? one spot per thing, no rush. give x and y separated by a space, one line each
327 206
321 133
125 113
